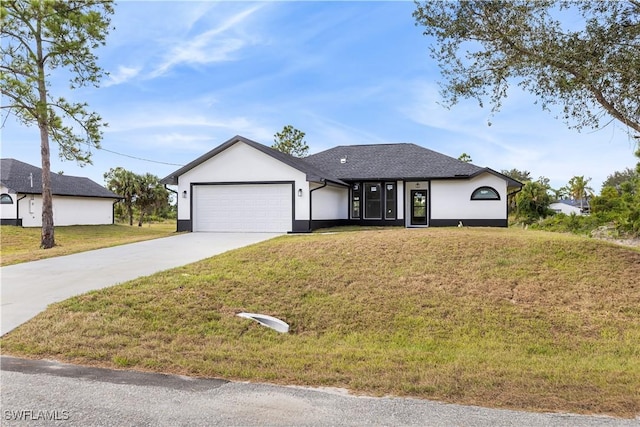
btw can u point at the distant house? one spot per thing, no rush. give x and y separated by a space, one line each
242 185
569 207
76 200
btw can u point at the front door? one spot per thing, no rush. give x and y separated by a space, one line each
418 207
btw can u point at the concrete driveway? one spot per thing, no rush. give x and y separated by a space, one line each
28 288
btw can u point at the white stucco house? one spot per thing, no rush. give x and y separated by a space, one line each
571 206
76 200
242 185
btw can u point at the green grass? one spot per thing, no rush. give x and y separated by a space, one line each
493 317
19 244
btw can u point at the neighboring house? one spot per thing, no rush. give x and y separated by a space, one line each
245 186
569 207
76 200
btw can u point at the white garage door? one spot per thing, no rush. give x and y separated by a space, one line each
251 207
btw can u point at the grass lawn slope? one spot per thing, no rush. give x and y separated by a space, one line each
492 317
23 244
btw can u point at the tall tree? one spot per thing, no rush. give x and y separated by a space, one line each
522 176
126 184
291 141
560 193
616 179
590 67
38 37
464 157
579 189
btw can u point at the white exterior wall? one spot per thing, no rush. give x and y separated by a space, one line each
330 203
66 210
565 209
8 211
82 210
451 199
400 202
31 211
242 163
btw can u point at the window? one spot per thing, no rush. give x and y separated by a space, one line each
5 199
390 201
356 194
372 200
485 193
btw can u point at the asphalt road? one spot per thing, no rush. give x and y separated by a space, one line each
41 393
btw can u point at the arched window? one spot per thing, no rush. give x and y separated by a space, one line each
5 199
485 193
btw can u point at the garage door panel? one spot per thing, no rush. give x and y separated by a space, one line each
250 207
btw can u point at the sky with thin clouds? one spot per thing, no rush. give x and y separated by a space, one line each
187 76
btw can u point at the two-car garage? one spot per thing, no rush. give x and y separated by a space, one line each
240 207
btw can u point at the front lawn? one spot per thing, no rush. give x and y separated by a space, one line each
492 317
19 244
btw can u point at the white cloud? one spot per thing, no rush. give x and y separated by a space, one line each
122 75
210 46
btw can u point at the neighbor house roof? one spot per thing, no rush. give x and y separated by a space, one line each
313 173
20 177
573 202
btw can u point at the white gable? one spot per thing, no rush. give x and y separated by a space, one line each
241 163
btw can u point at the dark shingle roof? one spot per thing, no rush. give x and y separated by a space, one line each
390 161
313 173
362 162
17 177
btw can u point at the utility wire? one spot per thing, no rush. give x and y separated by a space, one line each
113 152
138 158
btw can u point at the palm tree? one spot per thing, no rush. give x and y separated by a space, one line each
579 189
532 202
126 184
560 193
151 195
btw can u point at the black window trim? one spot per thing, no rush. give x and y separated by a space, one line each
485 187
395 200
3 198
356 188
380 200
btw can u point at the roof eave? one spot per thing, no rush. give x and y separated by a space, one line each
511 183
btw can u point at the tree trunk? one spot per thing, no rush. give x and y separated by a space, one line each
130 212
48 239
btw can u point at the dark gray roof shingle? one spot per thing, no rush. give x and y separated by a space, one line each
389 161
361 162
17 177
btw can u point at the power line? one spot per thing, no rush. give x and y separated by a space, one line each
138 158
114 152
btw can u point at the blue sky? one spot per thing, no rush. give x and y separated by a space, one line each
187 76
